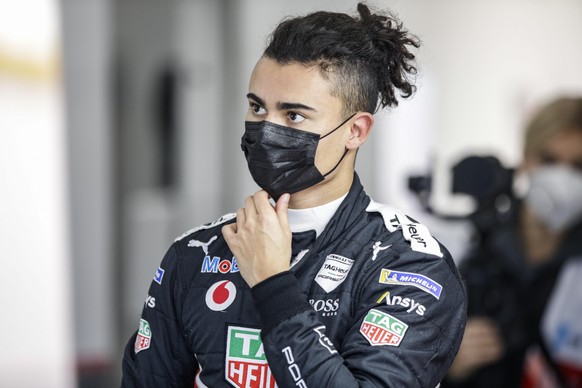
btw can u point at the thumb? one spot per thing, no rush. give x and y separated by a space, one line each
281 208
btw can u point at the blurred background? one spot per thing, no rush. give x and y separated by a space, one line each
120 125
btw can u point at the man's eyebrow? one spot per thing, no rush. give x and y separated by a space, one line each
280 105
293 105
257 99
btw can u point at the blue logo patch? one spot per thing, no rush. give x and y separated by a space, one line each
159 275
425 283
216 264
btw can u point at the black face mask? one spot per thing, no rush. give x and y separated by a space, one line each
282 159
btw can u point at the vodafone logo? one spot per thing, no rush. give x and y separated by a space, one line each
220 295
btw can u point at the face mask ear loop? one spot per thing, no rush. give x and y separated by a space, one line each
338 163
338 127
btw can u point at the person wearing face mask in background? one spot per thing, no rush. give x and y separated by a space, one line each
311 284
524 282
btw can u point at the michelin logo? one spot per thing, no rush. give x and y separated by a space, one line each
425 283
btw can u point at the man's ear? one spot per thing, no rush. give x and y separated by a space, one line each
360 129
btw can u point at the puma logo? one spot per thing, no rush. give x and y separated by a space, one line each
204 245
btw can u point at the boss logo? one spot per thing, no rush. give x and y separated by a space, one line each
328 307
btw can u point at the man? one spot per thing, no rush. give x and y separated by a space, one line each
320 287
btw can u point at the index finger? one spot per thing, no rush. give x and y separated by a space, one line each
261 200
250 207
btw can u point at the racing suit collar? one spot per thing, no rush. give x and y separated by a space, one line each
351 209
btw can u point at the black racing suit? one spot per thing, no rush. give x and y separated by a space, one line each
375 302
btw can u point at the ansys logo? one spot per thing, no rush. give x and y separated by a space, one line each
246 363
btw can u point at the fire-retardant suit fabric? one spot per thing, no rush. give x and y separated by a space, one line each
374 301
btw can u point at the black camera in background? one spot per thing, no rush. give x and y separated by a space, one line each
483 178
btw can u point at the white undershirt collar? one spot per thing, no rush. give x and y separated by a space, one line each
314 218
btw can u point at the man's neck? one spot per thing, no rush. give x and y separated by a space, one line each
324 192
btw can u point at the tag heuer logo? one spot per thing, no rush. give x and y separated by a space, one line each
144 336
246 363
333 272
380 328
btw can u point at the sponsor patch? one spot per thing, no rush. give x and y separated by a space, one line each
380 328
216 264
333 272
326 307
377 247
150 302
418 234
246 363
421 240
201 244
220 295
159 275
324 340
409 304
144 336
425 283
293 368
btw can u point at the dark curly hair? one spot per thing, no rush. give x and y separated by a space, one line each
368 58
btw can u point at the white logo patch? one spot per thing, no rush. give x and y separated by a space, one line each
327 307
333 272
409 304
420 239
323 340
220 295
150 302
418 234
377 248
204 245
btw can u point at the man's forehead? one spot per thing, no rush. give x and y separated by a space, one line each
295 83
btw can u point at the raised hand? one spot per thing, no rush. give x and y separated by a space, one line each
260 239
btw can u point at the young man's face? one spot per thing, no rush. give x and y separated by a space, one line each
297 96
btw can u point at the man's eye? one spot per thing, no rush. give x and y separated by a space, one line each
295 117
257 109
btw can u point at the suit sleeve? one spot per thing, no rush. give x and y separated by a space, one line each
408 341
157 355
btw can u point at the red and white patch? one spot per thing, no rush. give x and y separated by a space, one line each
220 295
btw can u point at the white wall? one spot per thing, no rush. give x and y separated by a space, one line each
87 65
36 341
